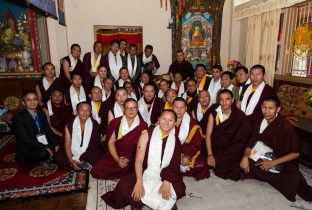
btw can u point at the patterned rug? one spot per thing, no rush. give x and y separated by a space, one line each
32 180
215 194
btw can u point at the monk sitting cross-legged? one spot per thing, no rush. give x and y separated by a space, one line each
122 136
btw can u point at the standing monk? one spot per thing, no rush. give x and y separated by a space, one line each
181 65
114 60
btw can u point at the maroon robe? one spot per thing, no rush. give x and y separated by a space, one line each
46 94
78 69
135 88
191 105
103 112
107 167
157 108
191 149
281 137
121 196
93 152
184 67
257 113
228 140
87 67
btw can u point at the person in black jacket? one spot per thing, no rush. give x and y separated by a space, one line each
35 141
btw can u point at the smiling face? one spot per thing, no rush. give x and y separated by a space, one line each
131 109
108 84
166 121
121 96
123 45
84 111
102 72
96 94
148 52
30 101
191 86
204 98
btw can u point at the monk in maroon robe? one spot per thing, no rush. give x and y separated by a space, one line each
249 103
181 65
57 112
91 62
130 189
122 138
203 80
71 64
48 83
228 131
170 95
190 135
278 134
78 149
190 95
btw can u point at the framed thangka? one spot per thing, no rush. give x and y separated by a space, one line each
196 37
19 45
61 12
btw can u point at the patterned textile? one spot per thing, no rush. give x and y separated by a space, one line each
18 181
294 101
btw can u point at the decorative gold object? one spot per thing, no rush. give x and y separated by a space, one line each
302 40
11 103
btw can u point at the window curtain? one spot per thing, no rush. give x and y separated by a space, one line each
262 33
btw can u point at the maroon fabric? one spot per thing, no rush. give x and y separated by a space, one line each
281 137
121 196
93 152
191 105
78 69
228 140
200 170
204 121
56 84
103 112
184 67
157 108
87 66
257 113
107 167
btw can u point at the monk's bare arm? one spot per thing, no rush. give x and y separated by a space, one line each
112 147
193 114
140 154
39 95
208 134
56 132
286 158
67 145
66 67
110 116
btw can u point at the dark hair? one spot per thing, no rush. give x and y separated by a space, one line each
133 45
74 45
97 42
164 80
177 72
75 73
200 65
179 51
225 91
172 112
258 66
102 65
26 92
273 99
179 99
149 47
145 73
46 64
238 68
170 89
149 84
228 73
107 78
122 40
202 92
130 100
120 88
56 89
127 82
123 68
191 80
95 87
81 103
114 41
217 66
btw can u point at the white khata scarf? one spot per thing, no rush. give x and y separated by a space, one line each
151 176
76 149
76 99
121 82
132 70
146 115
125 129
199 112
133 96
97 82
241 87
220 114
184 127
213 89
117 110
95 65
114 65
230 88
160 94
104 97
181 88
45 83
95 114
73 62
248 110
49 106
147 60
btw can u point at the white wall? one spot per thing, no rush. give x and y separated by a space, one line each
82 15
57 41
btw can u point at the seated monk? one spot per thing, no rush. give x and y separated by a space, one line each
150 105
143 80
82 141
57 112
131 90
178 84
35 141
163 87
96 104
98 80
157 182
190 95
278 134
122 136
123 77
227 133
170 95
202 105
203 80
190 135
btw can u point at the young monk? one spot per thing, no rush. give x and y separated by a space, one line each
82 141
98 80
144 79
277 133
117 110
131 90
190 136
57 112
201 77
150 105
76 93
123 134
123 77
170 95
177 84
163 87
227 133
215 83
47 83
190 95
157 182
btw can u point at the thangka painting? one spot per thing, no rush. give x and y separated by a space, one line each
61 12
19 56
196 38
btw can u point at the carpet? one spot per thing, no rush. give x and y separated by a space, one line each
18 181
214 194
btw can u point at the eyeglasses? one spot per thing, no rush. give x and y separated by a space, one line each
131 108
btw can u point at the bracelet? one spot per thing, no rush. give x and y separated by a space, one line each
210 155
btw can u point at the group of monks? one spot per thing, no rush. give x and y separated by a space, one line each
106 115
